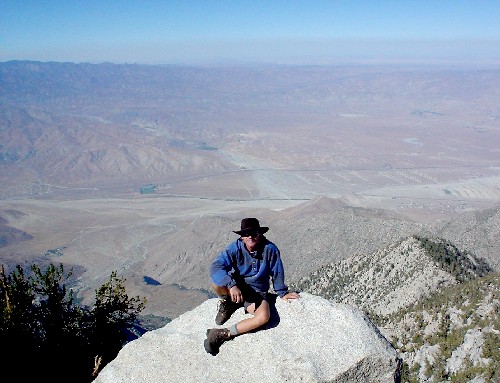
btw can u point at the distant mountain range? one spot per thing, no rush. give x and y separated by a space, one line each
72 128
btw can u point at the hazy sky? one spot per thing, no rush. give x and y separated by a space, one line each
248 31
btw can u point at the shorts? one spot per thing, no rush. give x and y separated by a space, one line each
251 296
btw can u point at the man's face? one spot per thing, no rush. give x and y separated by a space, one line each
251 240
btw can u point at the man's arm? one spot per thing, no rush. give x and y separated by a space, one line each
279 279
219 271
278 275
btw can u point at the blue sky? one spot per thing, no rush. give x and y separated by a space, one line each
250 31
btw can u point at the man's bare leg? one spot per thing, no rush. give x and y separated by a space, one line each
221 291
260 317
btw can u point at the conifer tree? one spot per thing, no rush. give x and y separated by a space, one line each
45 335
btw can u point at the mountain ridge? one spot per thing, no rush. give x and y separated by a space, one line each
437 304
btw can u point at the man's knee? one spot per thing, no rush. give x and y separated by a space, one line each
263 313
263 318
221 291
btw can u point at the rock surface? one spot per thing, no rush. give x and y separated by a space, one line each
307 340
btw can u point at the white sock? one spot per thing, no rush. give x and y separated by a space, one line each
233 330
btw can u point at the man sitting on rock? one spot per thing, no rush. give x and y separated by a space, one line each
240 277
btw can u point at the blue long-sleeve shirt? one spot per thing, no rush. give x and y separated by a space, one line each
236 261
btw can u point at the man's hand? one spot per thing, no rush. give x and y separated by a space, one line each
290 296
235 294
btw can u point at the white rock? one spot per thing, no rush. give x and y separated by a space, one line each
470 349
307 340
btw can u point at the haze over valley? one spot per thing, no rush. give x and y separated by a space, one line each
268 132
147 169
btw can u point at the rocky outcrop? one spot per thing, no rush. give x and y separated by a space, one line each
307 340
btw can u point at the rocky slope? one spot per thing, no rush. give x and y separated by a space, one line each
394 277
437 304
452 335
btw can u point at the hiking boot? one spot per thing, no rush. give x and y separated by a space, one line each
215 338
226 309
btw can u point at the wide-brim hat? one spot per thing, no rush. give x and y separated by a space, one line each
251 225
